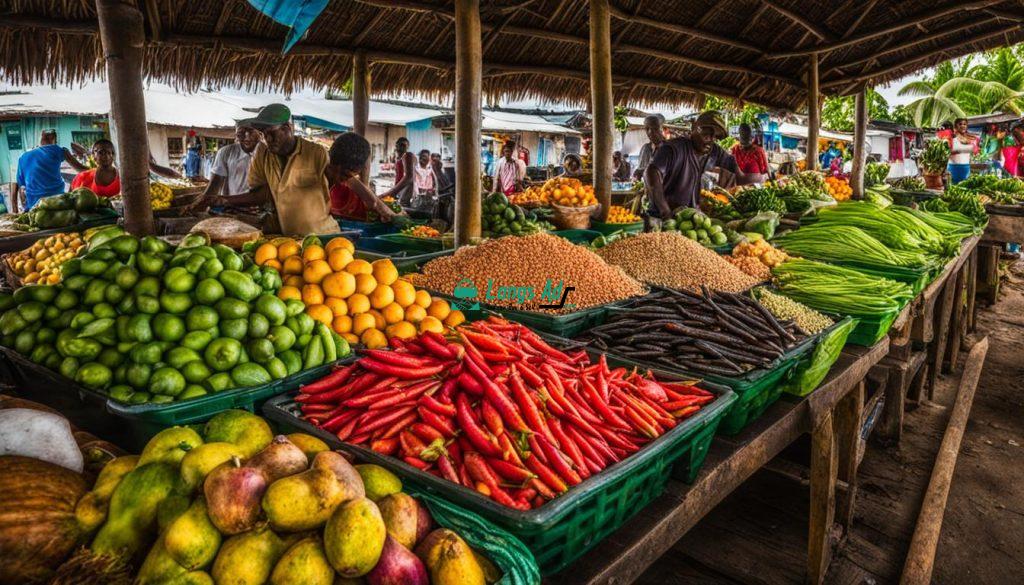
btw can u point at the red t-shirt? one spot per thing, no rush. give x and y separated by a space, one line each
751 161
87 179
345 203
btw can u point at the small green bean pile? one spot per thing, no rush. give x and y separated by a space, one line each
835 289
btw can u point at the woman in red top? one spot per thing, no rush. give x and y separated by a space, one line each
103 180
750 158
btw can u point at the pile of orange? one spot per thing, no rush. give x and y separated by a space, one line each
365 302
839 189
564 191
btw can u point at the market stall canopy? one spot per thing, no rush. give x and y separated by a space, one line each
672 51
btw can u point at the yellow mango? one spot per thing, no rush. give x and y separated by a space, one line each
305 563
303 501
309 444
248 558
200 461
91 510
170 446
159 567
247 431
377 481
354 537
449 559
192 540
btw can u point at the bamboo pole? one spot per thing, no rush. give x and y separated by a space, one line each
123 39
860 134
361 103
601 96
468 90
813 113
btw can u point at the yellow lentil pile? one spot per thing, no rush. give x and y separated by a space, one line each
495 267
672 260
786 308
750 265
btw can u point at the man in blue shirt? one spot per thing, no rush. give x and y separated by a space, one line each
39 169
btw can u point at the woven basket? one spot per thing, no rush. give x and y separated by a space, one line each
572 218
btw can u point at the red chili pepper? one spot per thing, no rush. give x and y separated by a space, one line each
426 432
542 489
558 461
381 420
398 358
412 446
414 347
595 461
483 342
569 447
437 347
417 463
410 393
510 472
385 446
676 390
494 358
530 375
445 394
499 400
402 372
602 386
508 450
383 389
600 405
525 494
527 406
345 431
685 412
437 421
476 435
492 420
548 403
435 405
480 471
400 424
535 341
464 477
336 378
545 475
535 449
473 354
469 384
640 424
447 469
335 423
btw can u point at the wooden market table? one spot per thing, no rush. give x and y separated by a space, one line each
832 415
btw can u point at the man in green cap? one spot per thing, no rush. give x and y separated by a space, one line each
288 170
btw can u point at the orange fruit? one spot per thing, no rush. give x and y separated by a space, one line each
352 338
314 252
289 292
415 313
294 280
401 330
405 292
359 266
273 263
315 271
393 313
439 308
358 303
363 322
454 319
373 339
378 318
293 265
339 284
342 324
340 243
384 271
381 296
339 258
312 294
289 249
321 313
431 324
365 284
265 252
336 305
423 298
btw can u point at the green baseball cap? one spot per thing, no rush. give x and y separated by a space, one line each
267 116
714 119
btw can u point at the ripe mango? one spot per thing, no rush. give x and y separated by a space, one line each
343 470
378 482
159 567
354 537
91 510
248 558
279 459
170 446
199 462
309 444
306 500
247 431
449 559
401 516
305 563
131 519
192 540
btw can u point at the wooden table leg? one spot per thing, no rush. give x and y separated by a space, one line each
824 469
972 289
956 322
937 350
848 417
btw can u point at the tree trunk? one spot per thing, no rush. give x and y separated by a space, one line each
813 113
361 103
468 89
603 102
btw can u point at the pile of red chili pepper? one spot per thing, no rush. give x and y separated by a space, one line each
497 409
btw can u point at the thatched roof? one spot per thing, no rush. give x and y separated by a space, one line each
666 51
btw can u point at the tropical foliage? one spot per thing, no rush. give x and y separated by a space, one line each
838 113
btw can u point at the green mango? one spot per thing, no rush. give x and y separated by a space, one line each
131 520
170 446
192 540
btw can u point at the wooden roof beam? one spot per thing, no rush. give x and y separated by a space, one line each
152 10
860 18
908 22
812 28
621 14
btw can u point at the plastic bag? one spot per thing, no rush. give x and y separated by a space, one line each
810 373
763 223
516 562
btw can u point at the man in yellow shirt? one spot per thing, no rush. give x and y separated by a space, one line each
288 170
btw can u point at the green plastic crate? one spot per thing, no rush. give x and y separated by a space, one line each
611 228
562 530
132 425
871 329
814 366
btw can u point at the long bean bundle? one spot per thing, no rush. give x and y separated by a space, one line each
835 289
841 243
898 231
952 224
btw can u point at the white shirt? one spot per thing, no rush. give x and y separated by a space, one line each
232 163
520 171
961 154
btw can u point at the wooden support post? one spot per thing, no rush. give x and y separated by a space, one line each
361 102
972 289
988 272
860 134
921 558
956 321
937 351
602 98
824 470
847 419
123 39
468 90
813 113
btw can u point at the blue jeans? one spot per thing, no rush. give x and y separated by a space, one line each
958 173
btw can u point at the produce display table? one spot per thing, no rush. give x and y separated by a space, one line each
832 415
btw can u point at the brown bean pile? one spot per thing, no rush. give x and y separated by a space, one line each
672 260
750 265
531 261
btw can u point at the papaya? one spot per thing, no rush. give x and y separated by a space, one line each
170 445
354 538
248 558
192 540
131 520
304 563
91 510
